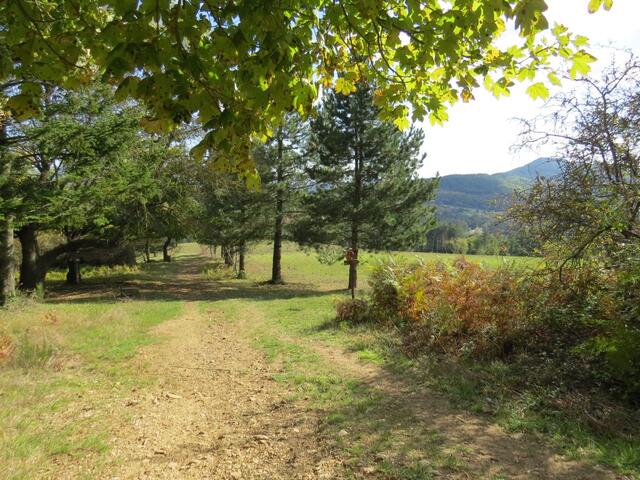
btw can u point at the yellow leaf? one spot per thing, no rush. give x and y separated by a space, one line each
538 90
402 123
252 181
344 86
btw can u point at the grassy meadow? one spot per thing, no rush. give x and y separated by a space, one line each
302 266
67 368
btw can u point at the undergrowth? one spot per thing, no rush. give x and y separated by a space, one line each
547 357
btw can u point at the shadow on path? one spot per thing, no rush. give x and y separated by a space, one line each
181 280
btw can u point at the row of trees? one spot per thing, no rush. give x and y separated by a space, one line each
345 178
87 172
449 237
236 69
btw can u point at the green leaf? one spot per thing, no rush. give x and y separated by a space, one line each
127 88
580 41
538 90
581 64
553 78
23 106
594 5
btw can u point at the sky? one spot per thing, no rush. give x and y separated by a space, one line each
479 134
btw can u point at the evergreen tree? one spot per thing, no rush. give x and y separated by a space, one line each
232 216
365 191
279 161
67 160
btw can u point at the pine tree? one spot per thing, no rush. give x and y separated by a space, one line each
232 216
365 190
280 163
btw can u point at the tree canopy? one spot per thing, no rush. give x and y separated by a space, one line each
592 208
239 66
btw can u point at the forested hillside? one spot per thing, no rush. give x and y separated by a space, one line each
474 199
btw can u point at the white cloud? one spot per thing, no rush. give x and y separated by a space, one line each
479 134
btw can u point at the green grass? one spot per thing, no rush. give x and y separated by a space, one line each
97 272
492 388
69 358
302 266
286 329
69 355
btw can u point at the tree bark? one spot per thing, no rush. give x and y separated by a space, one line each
73 271
226 254
7 266
34 266
241 255
276 267
165 250
357 198
30 275
147 251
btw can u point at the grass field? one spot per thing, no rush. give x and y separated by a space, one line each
301 266
68 370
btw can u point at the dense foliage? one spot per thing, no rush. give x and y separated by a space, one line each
464 310
239 66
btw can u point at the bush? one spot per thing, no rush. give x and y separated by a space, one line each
25 352
461 309
353 311
217 271
385 284
585 321
6 347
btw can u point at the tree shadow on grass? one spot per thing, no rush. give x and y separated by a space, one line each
181 280
393 426
390 429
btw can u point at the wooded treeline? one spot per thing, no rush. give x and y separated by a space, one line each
88 178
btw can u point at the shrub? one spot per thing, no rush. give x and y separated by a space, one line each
6 347
217 271
353 311
585 321
25 352
385 283
461 309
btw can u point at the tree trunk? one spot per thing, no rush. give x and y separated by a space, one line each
276 267
241 254
226 254
147 251
7 267
73 271
30 274
357 197
165 250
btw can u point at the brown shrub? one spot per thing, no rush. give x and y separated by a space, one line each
6 347
353 311
461 309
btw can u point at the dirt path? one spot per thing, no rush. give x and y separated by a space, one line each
216 413
486 449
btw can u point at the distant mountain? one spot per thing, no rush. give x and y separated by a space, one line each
475 199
